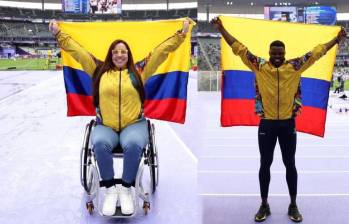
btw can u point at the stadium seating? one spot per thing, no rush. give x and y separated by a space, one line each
30 14
209 54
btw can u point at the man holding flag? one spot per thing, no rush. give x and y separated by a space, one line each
277 103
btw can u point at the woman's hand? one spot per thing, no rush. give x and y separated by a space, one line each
185 28
53 27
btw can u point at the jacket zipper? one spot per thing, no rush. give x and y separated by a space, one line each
120 100
278 104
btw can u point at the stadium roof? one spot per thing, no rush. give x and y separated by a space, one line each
218 2
272 2
123 1
127 4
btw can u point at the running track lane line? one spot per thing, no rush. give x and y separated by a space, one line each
184 146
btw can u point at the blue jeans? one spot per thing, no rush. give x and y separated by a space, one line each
132 139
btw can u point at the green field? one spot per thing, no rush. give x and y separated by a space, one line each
29 64
335 84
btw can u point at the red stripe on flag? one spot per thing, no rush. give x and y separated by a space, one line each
237 112
312 121
167 109
80 105
241 112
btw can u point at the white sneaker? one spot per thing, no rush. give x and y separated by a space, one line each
126 201
110 200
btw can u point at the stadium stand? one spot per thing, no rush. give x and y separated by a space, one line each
31 14
30 25
25 31
209 53
204 27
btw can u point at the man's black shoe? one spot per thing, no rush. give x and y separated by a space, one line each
263 213
294 214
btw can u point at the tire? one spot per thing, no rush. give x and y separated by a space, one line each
85 157
153 158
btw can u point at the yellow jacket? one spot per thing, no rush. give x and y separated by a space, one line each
276 88
119 102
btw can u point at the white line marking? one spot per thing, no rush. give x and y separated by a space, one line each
275 157
184 146
299 146
275 171
255 137
221 129
329 130
231 146
272 195
218 138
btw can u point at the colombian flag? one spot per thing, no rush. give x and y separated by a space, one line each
166 89
238 91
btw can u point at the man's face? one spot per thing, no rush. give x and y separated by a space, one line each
277 56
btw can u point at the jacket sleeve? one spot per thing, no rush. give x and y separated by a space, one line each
250 60
148 66
77 52
303 63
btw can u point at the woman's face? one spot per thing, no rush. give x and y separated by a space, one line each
120 56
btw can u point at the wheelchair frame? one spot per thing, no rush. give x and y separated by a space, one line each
90 178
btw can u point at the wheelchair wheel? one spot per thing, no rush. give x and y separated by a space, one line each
153 161
85 159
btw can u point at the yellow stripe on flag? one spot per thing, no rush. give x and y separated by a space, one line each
142 38
299 39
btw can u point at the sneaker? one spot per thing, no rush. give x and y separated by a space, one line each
263 213
110 200
126 201
294 214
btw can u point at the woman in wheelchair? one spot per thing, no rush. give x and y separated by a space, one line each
118 96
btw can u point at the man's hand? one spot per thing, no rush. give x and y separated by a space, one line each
341 34
216 22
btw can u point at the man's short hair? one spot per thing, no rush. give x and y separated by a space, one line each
277 43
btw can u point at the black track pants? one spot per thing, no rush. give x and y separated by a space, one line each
268 132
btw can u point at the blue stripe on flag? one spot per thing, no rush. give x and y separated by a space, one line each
315 92
77 81
167 85
240 85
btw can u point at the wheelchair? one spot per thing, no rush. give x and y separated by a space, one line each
91 181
